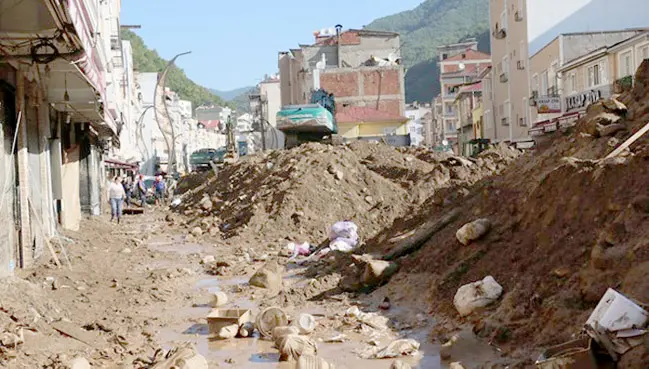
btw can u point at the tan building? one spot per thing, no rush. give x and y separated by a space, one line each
469 97
458 64
271 98
509 54
547 88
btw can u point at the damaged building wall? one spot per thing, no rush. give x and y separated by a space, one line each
8 233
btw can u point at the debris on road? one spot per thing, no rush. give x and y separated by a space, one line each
398 364
477 295
182 357
403 347
292 346
313 362
269 319
473 231
268 276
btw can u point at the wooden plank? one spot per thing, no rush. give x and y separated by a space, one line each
40 226
422 235
70 329
629 142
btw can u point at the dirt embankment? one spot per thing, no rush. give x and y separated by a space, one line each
297 194
565 228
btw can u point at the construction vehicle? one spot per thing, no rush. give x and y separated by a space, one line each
201 160
310 122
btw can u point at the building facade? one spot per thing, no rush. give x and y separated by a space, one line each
361 68
509 53
419 116
271 97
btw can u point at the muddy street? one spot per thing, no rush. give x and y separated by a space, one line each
142 286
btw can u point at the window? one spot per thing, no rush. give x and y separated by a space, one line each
596 75
506 112
626 64
644 52
571 83
450 126
544 83
535 83
487 119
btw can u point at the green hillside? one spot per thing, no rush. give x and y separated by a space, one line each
147 60
431 24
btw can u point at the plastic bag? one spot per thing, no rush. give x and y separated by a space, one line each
303 249
344 229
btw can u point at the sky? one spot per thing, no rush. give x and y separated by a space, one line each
547 13
235 42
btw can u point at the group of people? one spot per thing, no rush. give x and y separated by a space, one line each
122 190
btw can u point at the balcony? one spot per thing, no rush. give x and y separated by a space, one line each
504 78
449 96
518 16
499 33
553 91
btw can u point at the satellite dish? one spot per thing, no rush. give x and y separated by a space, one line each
324 32
445 142
392 57
462 66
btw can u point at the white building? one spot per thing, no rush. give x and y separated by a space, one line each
417 115
271 98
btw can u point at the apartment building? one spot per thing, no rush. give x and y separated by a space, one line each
459 64
467 101
432 130
418 116
362 69
271 98
547 86
509 52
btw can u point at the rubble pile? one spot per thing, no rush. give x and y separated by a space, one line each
297 194
566 225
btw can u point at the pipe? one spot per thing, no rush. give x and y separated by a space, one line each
338 29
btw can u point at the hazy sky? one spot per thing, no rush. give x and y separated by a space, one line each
544 14
234 43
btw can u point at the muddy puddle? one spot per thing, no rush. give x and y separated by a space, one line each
256 352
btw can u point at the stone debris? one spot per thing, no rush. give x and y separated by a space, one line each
313 362
197 231
398 364
268 276
473 231
219 299
228 332
403 347
79 363
456 365
476 295
181 357
292 346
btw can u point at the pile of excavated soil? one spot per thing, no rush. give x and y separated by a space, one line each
565 228
298 194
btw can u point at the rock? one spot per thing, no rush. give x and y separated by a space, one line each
292 347
445 349
312 362
214 231
353 312
227 332
614 105
399 365
78 363
219 299
181 357
609 130
398 348
55 284
206 203
385 305
339 175
476 295
126 250
208 259
268 277
369 199
247 329
377 272
455 365
473 231
606 118
169 218
197 231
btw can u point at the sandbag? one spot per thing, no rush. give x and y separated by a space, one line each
292 346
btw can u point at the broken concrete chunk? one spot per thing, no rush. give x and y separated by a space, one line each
78 363
614 105
208 259
268 277
247 329
377 272
399 365
197 232
219 299
609 130
456 365
291 347
206 203
403 347
313 362
473 231
182 357
475 295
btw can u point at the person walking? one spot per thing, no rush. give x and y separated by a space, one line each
159 188
141 188
128 186
116 195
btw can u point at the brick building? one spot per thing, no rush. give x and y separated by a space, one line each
361 68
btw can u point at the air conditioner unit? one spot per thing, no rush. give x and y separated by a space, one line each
503 78
532 101
520 65
518 16
499 33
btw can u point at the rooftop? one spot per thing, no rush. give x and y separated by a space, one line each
363 114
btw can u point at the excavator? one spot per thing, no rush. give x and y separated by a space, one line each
313 122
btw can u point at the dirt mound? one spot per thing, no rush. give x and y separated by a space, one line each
564 230
297 194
